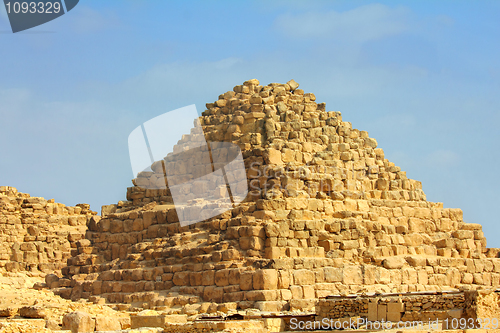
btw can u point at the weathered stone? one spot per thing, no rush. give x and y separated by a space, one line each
265 279
78 322
32 312
107 324
394 262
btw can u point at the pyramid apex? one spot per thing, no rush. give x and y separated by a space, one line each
293 85
254 82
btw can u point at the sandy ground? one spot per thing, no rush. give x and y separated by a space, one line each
16 291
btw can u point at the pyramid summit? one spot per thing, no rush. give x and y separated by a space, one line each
325 214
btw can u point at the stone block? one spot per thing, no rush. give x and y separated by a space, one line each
270 306
208 278
107 324
78 322
394 262
8 311
265 279
395 307
416 261
274 156
246 280
32 312
349 244
303 277
352 275
381 312
393 316
222 277
139 321
261 295
333 274
308 292
372 311
213 294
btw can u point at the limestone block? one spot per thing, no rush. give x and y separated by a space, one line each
32 312
363 206
349 244
8 311
416 225
213 294
51 278
333 274
353 275
234 277
283 279
107 324
381 312
303 277
78 322
181 278
397 306
265 279
372 311
156 320
416 261
274 253
382 184
297 292
208 278
222 277
293 85
256 99
463 234
261 295
409 276
308 292
383 276
286 294
393 316
394 262
246 280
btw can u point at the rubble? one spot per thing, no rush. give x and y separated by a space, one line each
38 235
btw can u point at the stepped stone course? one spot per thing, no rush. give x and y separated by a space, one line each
38 234
326 214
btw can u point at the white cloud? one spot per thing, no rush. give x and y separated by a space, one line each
361 24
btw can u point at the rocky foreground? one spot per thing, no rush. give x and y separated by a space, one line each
25 306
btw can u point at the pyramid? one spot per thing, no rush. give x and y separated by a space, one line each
325 214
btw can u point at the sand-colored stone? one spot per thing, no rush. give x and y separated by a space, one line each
326 214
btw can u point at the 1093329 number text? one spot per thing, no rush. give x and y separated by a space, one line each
33 7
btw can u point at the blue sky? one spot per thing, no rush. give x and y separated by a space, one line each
422 77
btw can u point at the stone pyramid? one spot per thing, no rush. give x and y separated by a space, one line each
325 214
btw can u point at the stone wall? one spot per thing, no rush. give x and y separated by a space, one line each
38 234
394 307
453 309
